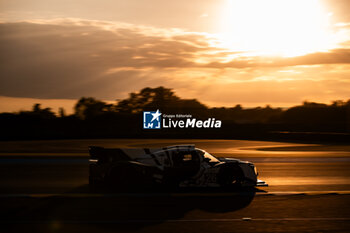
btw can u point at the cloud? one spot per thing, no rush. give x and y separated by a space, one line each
335 56
70 58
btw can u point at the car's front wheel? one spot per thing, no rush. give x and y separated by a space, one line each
230 175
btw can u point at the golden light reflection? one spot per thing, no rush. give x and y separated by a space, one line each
277 27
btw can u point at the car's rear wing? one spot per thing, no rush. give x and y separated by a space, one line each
101 154
105 155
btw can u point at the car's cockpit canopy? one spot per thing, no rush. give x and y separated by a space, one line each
207 157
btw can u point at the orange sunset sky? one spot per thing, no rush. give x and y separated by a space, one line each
222 52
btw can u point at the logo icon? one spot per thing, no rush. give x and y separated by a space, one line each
151 120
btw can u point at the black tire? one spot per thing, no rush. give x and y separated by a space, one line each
230 175
94 185
118 176
127 177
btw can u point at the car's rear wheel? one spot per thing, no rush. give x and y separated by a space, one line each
95 185
127 177
119 176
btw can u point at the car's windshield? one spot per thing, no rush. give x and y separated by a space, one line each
206 155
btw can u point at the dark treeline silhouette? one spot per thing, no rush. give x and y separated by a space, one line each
94 118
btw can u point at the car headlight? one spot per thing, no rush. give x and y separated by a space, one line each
254 168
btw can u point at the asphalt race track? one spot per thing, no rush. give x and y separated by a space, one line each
43 188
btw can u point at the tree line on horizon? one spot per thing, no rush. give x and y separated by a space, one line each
96 118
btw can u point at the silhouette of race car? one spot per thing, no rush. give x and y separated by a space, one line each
172 166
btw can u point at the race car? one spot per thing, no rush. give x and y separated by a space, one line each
172 166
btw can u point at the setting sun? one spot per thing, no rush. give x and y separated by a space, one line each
276 27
